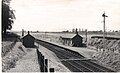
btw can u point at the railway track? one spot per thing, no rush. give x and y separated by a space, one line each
75 62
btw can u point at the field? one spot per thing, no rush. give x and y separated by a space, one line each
55 35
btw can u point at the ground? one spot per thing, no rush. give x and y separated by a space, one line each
111 56
24 63
53 61
10 59
28 63
24 59
54 38
90 52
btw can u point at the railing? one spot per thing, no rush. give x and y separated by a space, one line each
43 63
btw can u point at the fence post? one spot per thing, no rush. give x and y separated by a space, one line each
51 70
46 65
38 58
42 64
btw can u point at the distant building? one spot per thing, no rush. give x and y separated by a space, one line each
28 41
72 40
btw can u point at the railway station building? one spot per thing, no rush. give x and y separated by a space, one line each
73 40
28 41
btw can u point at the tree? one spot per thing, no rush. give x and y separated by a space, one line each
7 16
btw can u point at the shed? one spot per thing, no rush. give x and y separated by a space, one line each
28 41
73 40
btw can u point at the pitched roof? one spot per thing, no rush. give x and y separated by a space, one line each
77 35
27 36
69 36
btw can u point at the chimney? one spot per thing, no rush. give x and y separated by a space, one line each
76 31
28 32
22 32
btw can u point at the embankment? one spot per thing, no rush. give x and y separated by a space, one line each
111 55
9 60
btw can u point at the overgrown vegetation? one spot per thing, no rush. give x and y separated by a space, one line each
111 55
10 59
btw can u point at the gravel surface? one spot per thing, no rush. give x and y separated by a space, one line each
28 63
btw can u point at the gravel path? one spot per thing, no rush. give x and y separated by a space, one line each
28 63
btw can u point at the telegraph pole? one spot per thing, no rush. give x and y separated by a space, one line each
86 37
22 32
104 16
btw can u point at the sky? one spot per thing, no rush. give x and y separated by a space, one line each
59 15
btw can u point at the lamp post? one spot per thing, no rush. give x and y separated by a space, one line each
104 16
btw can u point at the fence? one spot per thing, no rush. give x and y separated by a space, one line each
43 63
